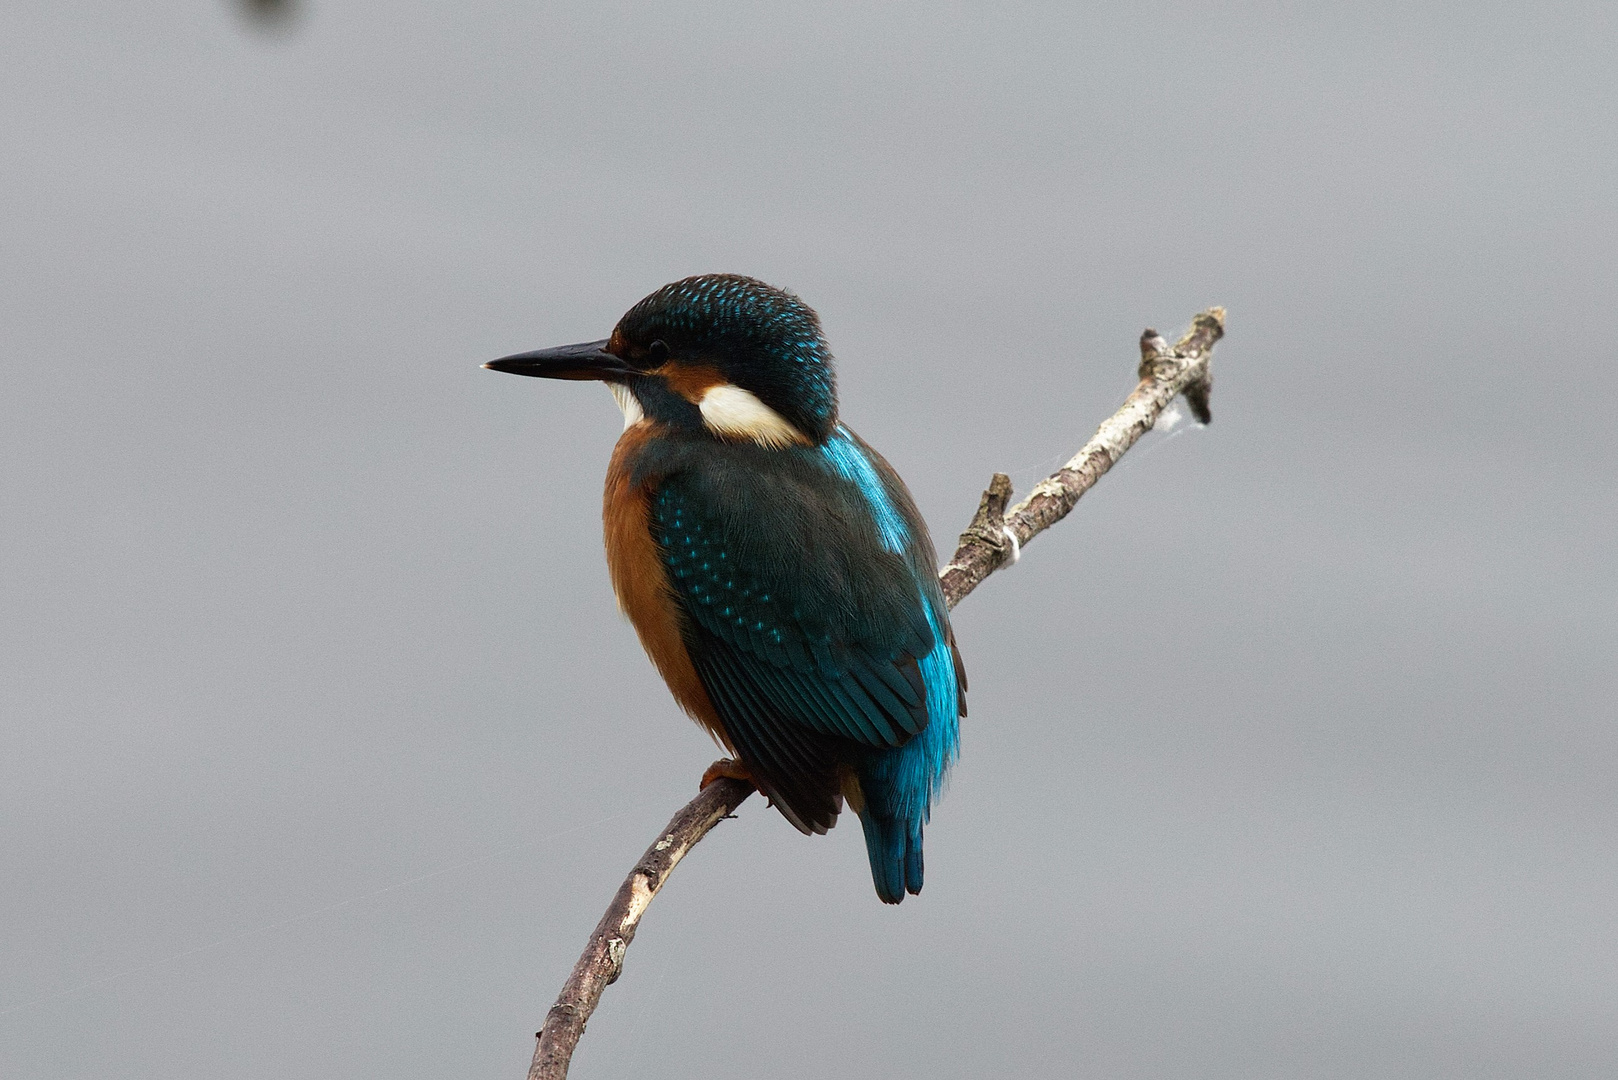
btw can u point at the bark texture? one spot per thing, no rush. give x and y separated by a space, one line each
996 534
994 538
603 957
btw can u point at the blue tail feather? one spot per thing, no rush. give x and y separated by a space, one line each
898 785
894 848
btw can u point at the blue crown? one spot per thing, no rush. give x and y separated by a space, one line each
763 339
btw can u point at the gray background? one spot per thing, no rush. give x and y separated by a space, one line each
1291 753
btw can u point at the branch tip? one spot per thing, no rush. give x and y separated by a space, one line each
988 526
1152 349
992 507
1207 328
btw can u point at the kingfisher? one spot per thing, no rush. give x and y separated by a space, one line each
774 566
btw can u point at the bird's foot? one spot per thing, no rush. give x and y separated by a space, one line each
727 768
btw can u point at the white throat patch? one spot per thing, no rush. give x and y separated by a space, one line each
625 397
738 414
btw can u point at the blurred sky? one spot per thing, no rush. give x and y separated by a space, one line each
1291 753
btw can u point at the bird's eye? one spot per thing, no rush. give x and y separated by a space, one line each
657 352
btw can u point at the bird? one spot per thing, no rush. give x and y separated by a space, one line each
774 566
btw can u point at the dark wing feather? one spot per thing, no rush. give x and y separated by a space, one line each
794 765
826 624
804 629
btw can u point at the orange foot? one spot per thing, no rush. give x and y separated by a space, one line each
727 768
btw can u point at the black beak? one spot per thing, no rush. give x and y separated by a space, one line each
591 360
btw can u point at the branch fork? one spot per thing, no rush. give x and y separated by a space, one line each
1165 373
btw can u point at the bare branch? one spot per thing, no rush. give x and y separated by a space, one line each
1164 374
603 957
994 537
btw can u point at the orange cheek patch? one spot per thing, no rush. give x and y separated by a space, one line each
691 381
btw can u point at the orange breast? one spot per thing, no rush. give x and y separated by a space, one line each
642 585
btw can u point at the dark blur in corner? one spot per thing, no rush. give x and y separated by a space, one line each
279 16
